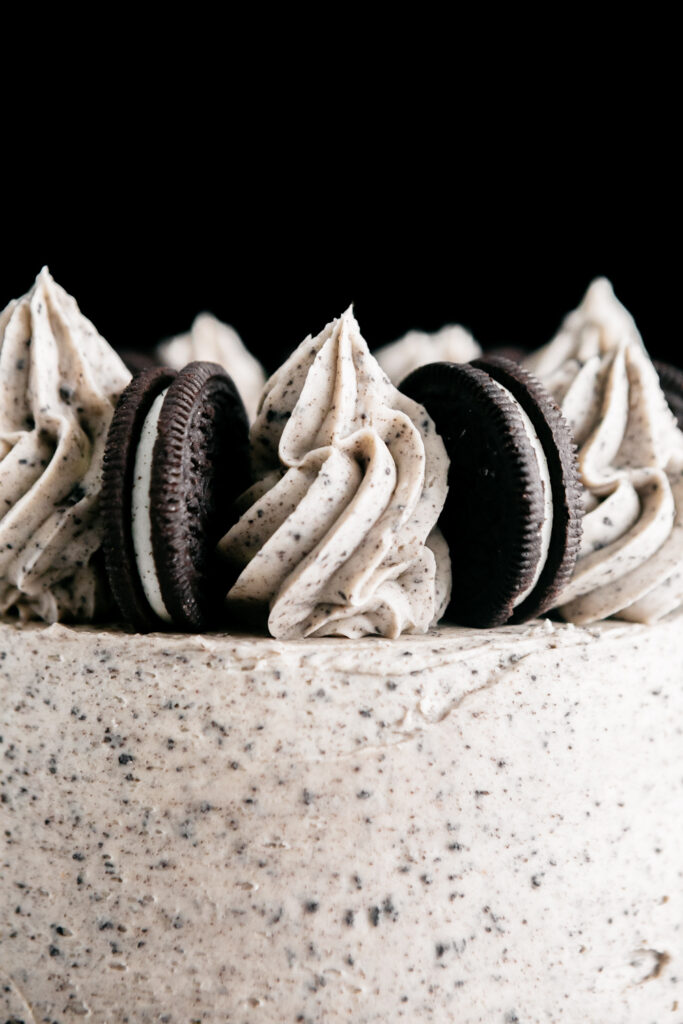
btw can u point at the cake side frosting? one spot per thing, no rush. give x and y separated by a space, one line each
437 827
59 382
351 478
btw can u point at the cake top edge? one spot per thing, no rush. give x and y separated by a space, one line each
552 633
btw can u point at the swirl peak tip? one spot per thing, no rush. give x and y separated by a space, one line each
348 316
44 276
600 289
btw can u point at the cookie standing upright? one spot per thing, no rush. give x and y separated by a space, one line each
513 513
176 459
671 380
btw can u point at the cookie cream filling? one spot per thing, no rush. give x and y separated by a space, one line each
141 520
544 473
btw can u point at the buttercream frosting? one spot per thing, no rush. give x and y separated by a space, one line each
210 340
452 344
59 383
630 454
232 828
338 533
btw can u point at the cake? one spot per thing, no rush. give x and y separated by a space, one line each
455 825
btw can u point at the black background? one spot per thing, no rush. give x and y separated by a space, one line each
280 246
273 173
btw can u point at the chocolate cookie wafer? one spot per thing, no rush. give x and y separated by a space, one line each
513 514
513 352
176 459
136 360
671 380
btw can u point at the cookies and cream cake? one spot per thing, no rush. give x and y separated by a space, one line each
444 824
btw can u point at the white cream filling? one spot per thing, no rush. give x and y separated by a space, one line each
141 521
544 473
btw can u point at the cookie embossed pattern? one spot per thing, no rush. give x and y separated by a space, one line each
472 825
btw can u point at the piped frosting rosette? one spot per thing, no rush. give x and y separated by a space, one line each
210 340
338 537
630 455
452 344
59 382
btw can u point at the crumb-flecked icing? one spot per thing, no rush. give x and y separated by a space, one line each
210 340
630 453
452 344
59 383
351 479
460 826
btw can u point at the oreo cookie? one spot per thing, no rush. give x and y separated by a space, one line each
136 360
671 380
175 460
512 518
513 352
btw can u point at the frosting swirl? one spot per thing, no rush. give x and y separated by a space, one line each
630 461
338 537
210 340
59 382
452 344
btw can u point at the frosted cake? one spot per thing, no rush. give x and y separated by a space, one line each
450 825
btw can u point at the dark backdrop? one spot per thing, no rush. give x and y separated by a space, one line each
428 175
279 262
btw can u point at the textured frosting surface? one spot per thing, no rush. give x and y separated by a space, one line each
630 461
351 478
452 344
59 382
212 341
237 829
